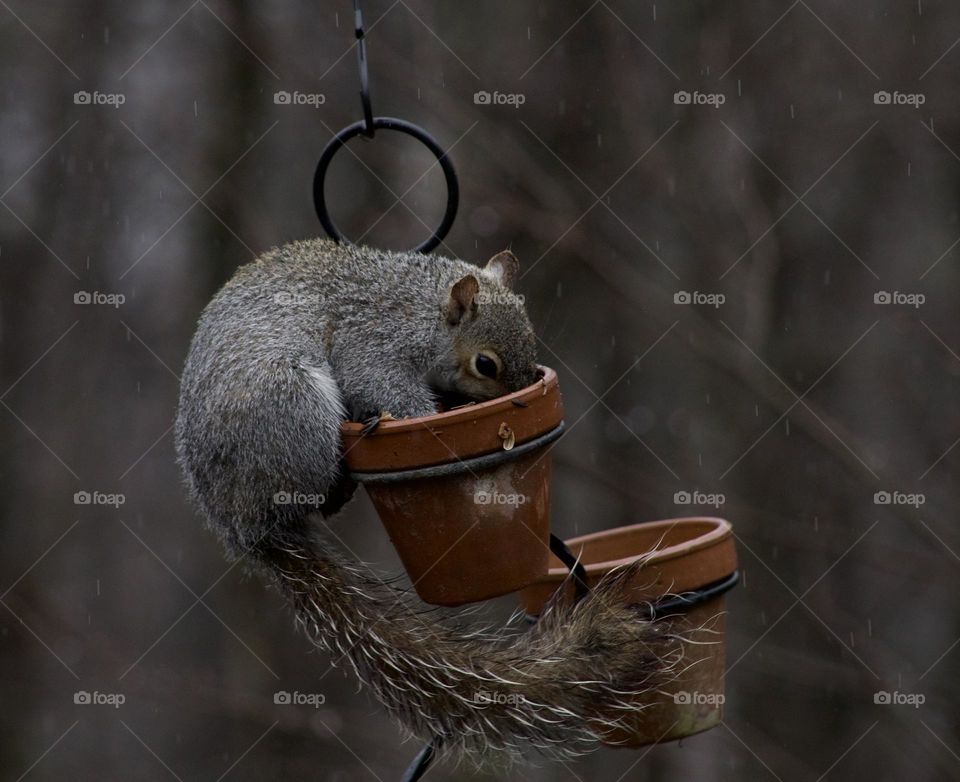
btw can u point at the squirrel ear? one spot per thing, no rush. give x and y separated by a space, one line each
504 267
463 299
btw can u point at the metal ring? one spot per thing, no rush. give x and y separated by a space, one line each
684 601
387 123
461 465
670 605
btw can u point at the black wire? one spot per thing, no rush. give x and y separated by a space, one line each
421 762
576 568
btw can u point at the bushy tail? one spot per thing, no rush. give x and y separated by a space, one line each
559 687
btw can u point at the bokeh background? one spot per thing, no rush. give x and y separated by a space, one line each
798 197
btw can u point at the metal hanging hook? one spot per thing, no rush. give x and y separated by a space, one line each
366 128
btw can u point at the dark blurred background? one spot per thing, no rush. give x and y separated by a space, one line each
800 196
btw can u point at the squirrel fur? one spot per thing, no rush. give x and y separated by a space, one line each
315 333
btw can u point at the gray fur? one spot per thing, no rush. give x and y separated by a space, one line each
310 334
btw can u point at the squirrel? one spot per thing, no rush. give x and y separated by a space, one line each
314 333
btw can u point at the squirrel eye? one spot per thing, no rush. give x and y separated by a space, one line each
485 365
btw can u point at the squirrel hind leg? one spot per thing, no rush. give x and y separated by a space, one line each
307 431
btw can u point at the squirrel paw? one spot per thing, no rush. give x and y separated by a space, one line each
371 424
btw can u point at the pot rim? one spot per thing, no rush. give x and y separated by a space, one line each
465 413
722 529
456 465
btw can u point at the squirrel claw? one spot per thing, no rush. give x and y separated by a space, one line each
371 424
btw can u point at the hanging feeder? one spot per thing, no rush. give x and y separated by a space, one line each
465 495
690 563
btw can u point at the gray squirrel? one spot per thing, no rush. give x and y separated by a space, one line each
315 333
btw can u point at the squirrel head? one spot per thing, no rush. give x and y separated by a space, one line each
492 345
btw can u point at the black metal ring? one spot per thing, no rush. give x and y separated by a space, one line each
402 126
671 604
461 465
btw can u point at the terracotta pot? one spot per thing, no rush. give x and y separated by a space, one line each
693 558
465 495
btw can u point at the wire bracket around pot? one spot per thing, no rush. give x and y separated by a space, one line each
472 464
673 604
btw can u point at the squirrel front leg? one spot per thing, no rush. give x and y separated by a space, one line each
388 390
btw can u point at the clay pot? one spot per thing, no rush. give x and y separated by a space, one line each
465 495
693 558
